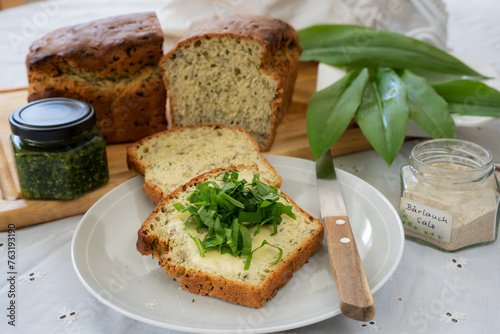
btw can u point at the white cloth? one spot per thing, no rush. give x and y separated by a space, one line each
424 19
427 291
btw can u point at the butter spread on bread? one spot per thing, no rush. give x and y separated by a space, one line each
165 236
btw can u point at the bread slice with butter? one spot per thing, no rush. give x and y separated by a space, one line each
223 276
171 158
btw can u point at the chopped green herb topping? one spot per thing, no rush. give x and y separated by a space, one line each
230 210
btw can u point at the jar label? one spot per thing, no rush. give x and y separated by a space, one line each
426 220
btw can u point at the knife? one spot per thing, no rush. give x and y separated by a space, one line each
355 298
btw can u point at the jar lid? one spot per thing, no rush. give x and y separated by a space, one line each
52 119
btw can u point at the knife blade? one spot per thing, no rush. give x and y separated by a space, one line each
355 297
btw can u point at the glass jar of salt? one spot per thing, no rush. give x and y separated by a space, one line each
450 195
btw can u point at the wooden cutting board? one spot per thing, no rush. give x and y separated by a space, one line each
291 140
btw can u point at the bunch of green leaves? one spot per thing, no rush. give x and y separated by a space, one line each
229 209
388 82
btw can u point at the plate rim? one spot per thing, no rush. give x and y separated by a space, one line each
290 162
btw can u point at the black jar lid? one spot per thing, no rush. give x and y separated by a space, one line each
52 119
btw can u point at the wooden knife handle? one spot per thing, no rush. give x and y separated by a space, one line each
355 297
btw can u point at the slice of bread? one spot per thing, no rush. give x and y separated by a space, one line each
171 158
237 71
164 236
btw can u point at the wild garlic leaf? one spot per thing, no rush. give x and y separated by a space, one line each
331 110
427 108
383 114
468 97
249 258
357 46
246 241
198 244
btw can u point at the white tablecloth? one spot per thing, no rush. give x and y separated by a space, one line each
430 292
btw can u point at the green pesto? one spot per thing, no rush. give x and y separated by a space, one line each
61 170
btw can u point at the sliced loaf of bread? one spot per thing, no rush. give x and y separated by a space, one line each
236 71
164 235
171 158
110 63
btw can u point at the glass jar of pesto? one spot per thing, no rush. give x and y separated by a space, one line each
59 152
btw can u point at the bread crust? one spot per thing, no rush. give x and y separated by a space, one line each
90 46
111 64
155 193
280 56
234 291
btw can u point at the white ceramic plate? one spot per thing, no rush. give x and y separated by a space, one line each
109 266
329 74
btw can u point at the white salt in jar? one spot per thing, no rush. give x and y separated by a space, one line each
450 195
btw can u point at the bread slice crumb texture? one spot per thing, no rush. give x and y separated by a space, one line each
172 158
218 80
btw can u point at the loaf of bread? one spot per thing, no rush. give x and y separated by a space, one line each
237 71
164 236
171 158
111 64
